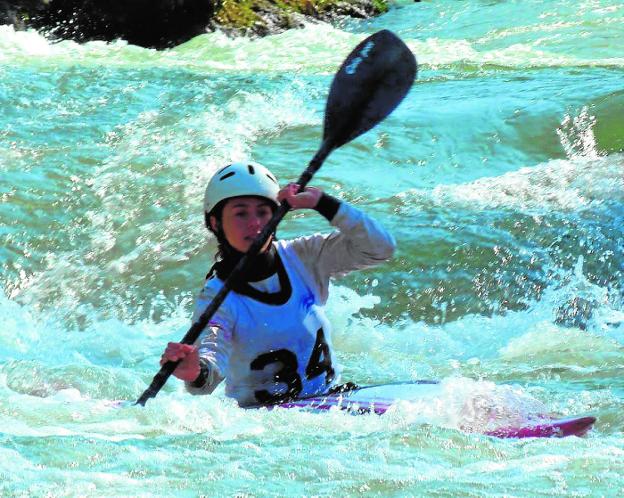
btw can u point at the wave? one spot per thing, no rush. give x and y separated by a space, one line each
558 185
606 112
317 48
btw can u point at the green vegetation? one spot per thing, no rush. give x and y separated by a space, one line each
261 16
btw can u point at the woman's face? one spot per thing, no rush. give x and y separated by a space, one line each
242 219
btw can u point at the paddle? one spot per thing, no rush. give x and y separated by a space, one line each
371 82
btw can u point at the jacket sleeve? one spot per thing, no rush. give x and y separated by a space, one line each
360 242
215 345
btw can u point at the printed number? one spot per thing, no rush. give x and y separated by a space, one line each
320 362
287 375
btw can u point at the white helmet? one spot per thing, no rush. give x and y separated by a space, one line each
240 179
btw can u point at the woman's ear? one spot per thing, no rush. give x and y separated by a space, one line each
214 224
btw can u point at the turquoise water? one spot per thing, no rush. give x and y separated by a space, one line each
501 176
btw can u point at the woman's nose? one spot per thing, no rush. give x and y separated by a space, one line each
254 221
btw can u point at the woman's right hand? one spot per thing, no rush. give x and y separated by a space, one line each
308 198
189 368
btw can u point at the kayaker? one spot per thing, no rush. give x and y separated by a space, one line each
270 339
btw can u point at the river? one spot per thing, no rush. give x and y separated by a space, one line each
501 177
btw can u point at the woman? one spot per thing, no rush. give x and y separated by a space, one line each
270 339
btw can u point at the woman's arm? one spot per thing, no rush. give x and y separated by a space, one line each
360 241
203 365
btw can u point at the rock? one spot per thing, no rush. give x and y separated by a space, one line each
148 23
20 13
166 23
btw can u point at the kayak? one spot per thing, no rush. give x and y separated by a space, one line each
379 399
385 398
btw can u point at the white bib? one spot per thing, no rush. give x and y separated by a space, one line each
281 343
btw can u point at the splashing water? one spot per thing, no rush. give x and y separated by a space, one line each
500 176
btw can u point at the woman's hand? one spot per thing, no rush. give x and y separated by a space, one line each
307 199
188 369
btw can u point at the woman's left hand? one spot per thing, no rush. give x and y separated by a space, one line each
307 199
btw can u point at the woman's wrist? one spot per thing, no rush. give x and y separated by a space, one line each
202 375
190 374
317 196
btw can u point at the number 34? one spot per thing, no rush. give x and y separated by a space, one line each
320 362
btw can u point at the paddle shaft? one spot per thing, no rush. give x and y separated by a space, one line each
239 270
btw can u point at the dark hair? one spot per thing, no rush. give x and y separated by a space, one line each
217 212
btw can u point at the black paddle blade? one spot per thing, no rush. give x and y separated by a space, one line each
371 82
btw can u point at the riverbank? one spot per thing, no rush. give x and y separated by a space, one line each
264 17
166 23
